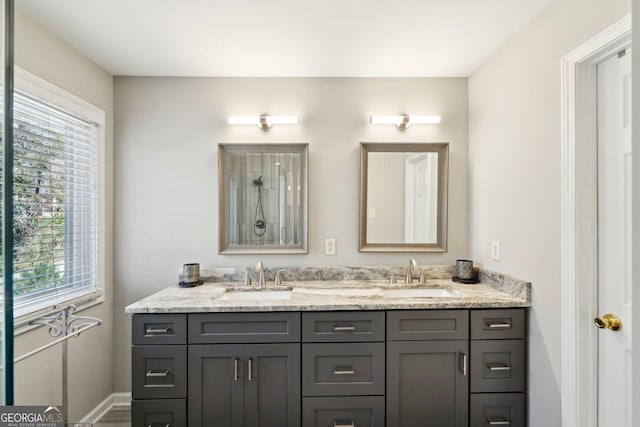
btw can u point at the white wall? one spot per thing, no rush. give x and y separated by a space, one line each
38 379
166 169
514 158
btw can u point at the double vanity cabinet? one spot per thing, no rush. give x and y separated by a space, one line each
399 368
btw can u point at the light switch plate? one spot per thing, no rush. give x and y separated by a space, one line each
495 250
330 246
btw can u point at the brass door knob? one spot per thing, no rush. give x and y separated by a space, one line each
608 321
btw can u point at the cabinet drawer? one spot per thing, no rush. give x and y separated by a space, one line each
497 409
349 411
159 413
159 329
343 369
216 328
498 324
159 371
343 327
426 325
497 366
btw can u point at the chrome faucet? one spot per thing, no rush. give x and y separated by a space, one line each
260 269
408 277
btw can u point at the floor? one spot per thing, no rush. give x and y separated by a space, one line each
118 416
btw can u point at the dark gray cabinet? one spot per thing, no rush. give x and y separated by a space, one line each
159 370
236 385
343 369
498 368
427 368
399 368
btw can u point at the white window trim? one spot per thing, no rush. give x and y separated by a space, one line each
42 89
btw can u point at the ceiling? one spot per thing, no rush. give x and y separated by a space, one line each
334 38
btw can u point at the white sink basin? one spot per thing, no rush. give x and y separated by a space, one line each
423 292
255 295
418 293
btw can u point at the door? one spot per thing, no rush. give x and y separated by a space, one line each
272 385
421 198
216 385
614 240
413 367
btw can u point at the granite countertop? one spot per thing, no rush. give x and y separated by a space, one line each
330 295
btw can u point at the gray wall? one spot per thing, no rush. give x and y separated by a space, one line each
38 379
514 158
166 169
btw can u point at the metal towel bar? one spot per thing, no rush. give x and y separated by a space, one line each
62 324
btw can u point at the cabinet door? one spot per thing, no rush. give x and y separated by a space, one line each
272 385
427 385
216 386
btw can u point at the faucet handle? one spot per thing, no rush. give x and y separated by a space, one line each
392 277
422 276
278 281
247 278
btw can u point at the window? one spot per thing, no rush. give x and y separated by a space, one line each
58 236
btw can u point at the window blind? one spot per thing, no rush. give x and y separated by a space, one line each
55 204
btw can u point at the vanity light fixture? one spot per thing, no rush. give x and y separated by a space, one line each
263 121
403 121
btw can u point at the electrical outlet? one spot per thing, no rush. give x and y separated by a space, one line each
330 246
495 250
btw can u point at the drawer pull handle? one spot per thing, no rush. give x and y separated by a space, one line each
496 366
343 371
157 330
349 328
157 373
250 363
158 424
343 423
498 421
235 369
499 325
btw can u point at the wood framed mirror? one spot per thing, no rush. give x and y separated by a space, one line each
403 197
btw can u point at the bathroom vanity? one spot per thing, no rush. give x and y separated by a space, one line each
307 357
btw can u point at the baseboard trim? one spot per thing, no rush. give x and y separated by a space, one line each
114 399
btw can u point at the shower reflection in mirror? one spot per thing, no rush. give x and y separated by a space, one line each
262 193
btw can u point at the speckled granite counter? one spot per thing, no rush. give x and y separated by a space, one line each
330 295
